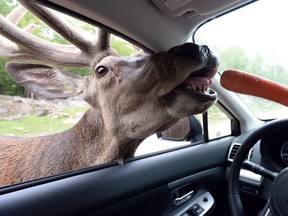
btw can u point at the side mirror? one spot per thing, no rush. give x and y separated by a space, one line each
188 128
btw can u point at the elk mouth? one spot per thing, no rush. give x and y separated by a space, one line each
198 85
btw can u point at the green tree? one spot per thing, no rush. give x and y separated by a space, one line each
6 6
233 57
7 85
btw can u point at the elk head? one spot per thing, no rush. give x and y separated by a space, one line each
137 96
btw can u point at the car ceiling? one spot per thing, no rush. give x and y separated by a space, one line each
156 25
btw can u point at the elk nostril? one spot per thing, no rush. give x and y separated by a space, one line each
205 51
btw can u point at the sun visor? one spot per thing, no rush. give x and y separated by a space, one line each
191 8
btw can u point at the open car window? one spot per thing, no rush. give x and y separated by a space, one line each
243 41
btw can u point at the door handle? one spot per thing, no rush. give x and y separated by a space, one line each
182 199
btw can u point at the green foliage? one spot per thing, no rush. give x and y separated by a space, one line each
258 64
233 57
78 71
7 85
122 47
42 30
6 6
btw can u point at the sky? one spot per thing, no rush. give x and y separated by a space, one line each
259 27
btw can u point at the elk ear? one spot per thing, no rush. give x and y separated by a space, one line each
45 81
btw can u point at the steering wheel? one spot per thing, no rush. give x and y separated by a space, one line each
277 205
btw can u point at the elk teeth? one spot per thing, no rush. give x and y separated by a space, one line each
203 89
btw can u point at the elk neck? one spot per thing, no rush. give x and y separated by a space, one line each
91 141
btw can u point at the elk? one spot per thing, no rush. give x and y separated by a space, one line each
130 98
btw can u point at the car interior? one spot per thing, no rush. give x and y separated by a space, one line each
197 172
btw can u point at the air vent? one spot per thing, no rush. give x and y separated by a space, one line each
233 150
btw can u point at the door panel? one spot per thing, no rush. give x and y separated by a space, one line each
144 184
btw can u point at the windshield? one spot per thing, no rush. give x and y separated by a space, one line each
252 39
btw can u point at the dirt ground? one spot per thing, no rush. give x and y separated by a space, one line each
14 107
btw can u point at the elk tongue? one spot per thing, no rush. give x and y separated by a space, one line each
201 81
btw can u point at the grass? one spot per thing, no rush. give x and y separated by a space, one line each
39 125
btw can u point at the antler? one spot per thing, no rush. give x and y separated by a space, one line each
21 45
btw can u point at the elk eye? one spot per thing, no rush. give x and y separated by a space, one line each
101 71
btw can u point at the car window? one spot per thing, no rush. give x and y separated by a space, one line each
252 41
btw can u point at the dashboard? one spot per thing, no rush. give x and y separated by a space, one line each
271 152
274 150
268 157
